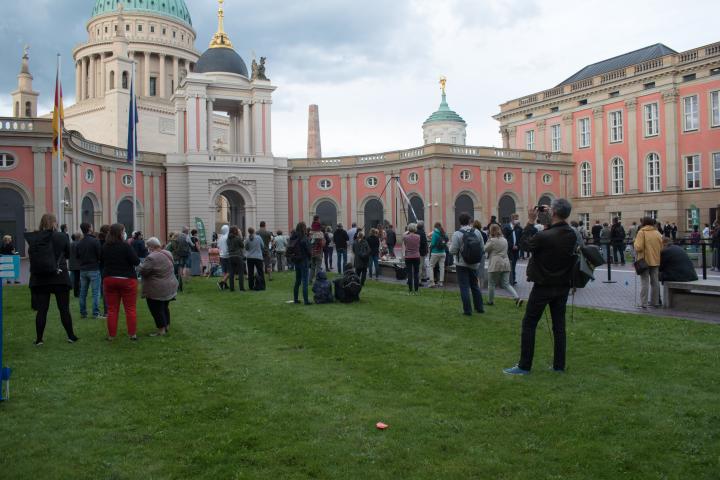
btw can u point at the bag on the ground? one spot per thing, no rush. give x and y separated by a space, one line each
42 255
352 285
471 248
400 272
587 259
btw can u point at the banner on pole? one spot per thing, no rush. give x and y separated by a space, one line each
9 266
200 225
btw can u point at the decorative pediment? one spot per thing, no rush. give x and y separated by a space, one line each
249 185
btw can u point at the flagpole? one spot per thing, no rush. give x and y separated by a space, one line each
135 149
61 170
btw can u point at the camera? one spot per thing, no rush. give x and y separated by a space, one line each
542 208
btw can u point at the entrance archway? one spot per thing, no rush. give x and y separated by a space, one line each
545 200
506 207
416 202
327 212
125 215
373 214
87 211
463 204
12 217
230 210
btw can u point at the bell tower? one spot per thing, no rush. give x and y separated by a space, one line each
24 98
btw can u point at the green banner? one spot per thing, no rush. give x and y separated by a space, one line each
201 231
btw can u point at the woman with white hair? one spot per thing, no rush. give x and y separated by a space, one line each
411 242
159 285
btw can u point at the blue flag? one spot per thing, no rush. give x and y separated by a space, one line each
132 146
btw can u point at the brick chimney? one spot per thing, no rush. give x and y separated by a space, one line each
314 150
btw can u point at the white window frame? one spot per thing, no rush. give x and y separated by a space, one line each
615 214
615 126
413 178
4 158
325 184
689 219
651 213
715 109
530 140
617 176
585 219
652 173
371 182
555 137
508 177
716 169
584 132
129 183
651 119
89 175
693 177
465 175
585 179
547 179
691 115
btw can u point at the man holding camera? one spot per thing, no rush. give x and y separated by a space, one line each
550 269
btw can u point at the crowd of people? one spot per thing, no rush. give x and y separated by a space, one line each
110 266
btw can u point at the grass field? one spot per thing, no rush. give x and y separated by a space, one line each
247 386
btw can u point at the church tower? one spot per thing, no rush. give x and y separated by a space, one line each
24 98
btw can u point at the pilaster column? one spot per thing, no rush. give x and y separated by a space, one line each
599 172
257 127
157 230
630 108
105 195
353 197
540 137
163 78
525 187
112 200
83 79
77 192
209 125
246 121
447 198
505 137
232 133
267 109
78 81
532 179
40 184
306 197
567 140
102 86
343 198
180 129
427 197
176 74
146 203
670 98
484 193
492 178
146 75
512 140
191 133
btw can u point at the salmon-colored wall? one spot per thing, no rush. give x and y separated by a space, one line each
500 185
702 141
648 145
619 149
317 193
363 191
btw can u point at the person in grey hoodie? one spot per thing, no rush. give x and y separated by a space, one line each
254 255
467 274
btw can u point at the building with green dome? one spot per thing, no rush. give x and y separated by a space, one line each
170 8
444 125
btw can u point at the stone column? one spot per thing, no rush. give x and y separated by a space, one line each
102 86
257 127
146 75
112 199
306 197
232 133
40 183
532 200
343 199
246 121
353 198
83 82
540 137
268 127
670 98
146 202
156 205
91 77
599 173
176 74
505 137
209 125
630 108
567 140
104 195
163 78
78 81
512 140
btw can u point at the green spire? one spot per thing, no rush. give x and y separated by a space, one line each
444 114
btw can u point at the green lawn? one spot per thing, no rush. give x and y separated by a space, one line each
248 386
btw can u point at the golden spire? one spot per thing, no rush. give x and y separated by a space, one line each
443 81
220 39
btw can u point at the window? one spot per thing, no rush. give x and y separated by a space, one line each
692 172
716 169
616 126
152 28
547 179
453 140
651 213
715 71
617 170
127 180
585 180
28 109
584 133
555 137
65 167
174 34
653 172
528 115
584 218
139 28
554 109
689 78
508 177
616 93
324 184
652 126
530 140
648 86
692 219
438 140
617 215
153 86
127 28
164 31
413 177
690 113
371 182
89 175
106 29
6 160
125 80
582 102
715 109
465 175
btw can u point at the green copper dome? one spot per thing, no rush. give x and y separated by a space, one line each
444 114
175 9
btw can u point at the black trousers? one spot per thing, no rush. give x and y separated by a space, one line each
75 277
236 267
362 273
513 255
160 311
413 273
41 303
255 265
556 299
619 253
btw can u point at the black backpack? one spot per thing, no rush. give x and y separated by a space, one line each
293 250
363 250
183 247
42 254
351 284
471 248
587 259
442 243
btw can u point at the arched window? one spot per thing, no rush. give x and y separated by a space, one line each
7 160
17 109
327 212
125 80
653 172
506 207
112 79
463 204
585 180
418 207
28 109
617 172
545 200
373 214
125 215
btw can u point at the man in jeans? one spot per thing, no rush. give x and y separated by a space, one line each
467 273
550 270
340 239
88 253
280 241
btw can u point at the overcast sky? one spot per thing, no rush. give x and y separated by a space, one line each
372 66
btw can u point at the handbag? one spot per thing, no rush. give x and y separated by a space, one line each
641 266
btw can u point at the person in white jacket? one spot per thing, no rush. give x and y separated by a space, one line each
496 250
224 256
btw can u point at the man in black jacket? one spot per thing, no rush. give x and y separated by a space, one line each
512 233
675 265
596 229
423 248
617 240
88 252
340 239
390 240
550 267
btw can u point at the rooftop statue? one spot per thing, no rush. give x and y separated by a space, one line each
258 69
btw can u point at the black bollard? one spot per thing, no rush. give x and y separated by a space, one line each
609 268
704 261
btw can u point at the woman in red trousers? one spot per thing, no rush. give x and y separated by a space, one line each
120 280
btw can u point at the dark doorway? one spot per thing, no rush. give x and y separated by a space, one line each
545 200
88 211
506 207
125 215
463 204
373 214
12 217
230 210
418 207
328 213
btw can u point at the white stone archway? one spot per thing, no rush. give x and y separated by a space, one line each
245 190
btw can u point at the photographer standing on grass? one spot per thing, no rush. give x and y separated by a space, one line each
550 269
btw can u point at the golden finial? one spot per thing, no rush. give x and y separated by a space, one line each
443 81
221 39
